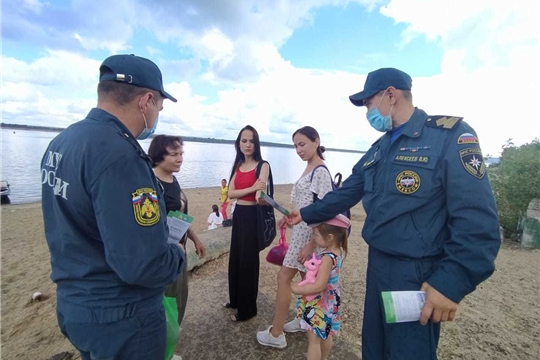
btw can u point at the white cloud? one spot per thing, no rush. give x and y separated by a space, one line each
233 36
50 91
90 43
33 5
152 50
280 102
473 34
54 69
490 66
489 70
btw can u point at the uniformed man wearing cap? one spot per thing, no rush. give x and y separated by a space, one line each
105 220
431 222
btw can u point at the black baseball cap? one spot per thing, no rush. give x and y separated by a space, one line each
133 70
382 79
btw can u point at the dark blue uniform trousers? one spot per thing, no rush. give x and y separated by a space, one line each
401 341
113 333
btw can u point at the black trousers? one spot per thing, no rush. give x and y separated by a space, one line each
244 262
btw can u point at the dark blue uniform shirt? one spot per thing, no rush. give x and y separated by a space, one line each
426 195
105 221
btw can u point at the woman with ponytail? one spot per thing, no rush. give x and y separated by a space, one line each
215 219
314 183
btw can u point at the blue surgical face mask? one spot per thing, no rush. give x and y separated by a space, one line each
378 121
145 134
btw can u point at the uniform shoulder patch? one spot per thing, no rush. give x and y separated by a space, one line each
473 161
467 138
443 121
145 206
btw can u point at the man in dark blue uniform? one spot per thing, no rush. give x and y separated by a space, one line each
105 220
431 223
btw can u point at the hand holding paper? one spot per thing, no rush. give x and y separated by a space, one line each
179 224
403 306
438 307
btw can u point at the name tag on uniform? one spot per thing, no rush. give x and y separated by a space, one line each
412 159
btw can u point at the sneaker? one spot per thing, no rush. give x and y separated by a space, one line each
267 339
176 357
293 326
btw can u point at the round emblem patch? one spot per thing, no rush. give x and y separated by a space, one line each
407 182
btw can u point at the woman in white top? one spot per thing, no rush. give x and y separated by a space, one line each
215 218
314 183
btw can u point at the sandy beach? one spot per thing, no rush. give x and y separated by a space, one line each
498 321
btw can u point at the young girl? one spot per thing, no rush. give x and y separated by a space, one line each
215 218
322 315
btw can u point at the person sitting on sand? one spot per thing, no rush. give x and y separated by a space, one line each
215 219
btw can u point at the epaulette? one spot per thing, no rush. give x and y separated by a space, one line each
443 121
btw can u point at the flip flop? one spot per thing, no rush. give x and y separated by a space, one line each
227 305
234 318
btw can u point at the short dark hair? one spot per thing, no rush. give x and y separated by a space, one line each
407 95
160 143
312 135
121 93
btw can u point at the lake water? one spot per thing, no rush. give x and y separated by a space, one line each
205 164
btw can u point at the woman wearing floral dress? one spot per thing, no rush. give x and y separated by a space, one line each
311 185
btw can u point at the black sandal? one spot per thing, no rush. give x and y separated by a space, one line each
234 317
227 305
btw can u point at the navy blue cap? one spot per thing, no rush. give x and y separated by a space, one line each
379 80
133 70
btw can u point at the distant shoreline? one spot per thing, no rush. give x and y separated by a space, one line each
185 138
190 191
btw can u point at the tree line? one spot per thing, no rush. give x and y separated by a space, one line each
516 181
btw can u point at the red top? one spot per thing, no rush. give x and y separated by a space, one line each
244 180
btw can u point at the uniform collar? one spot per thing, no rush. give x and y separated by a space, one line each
103 116
415 124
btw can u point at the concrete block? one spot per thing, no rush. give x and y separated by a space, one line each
217 242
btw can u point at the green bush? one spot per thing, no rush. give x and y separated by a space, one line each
516 181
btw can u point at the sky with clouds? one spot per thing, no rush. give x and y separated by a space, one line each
279 64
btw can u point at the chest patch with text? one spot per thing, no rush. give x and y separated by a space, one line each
145 206
412 159
407 182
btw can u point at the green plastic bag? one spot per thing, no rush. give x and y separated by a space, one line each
173 329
